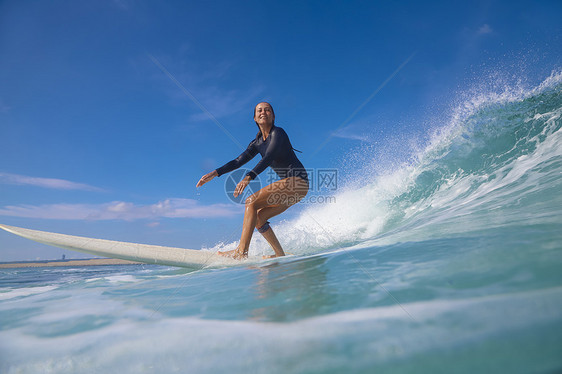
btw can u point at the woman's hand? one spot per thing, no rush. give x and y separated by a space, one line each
207 177
242 185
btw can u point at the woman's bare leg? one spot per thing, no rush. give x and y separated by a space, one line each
263 215
250 218
294 189
269 235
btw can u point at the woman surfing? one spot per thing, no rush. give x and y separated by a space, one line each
273 144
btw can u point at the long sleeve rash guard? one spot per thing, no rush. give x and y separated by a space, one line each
276 151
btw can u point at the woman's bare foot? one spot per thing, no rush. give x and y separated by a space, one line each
235 254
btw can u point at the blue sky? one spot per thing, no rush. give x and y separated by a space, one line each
110 111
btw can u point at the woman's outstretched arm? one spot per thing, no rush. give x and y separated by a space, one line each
244 157
206 178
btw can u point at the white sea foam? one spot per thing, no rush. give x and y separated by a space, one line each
10 293
115 279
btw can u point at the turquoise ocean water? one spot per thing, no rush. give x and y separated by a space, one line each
449 261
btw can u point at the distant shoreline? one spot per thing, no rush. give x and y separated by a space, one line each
60 263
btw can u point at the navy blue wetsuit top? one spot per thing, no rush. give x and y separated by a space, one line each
276 151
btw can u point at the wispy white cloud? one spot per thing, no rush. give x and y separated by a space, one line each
120 210
226 103
485 29
226 106
57 184
203 83
364 103
353 132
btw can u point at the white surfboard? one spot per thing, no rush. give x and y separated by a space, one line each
148 254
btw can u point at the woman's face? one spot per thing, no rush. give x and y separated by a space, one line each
264 114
